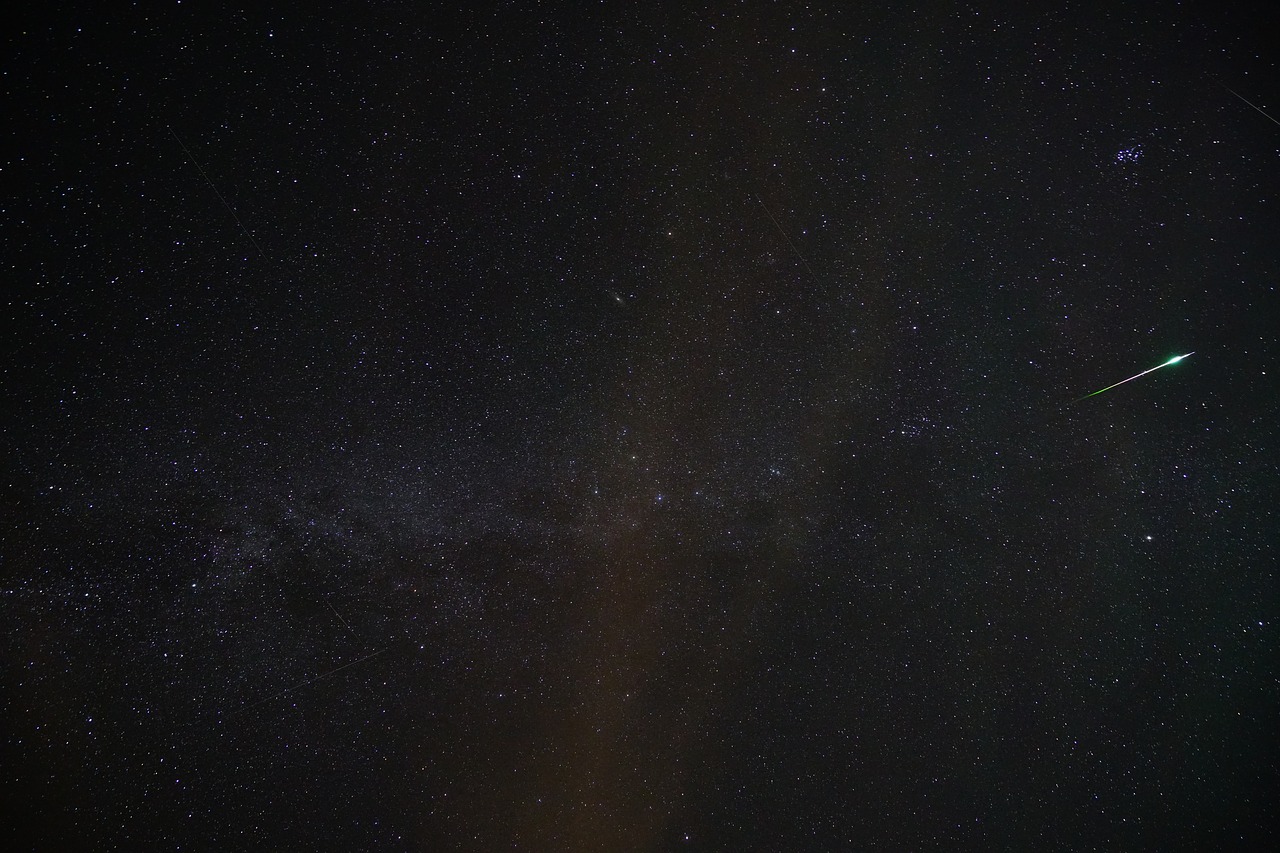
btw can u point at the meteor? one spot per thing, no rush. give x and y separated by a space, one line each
1174 360
1250 103
310 681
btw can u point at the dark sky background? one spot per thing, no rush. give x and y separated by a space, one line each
639 427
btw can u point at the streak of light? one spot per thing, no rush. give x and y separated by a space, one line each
1247 101
309 681
204 175
1174 360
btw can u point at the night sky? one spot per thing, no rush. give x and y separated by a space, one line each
640 427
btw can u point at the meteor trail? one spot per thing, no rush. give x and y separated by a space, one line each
778 225
309 681
208 181
1249 102
1174 360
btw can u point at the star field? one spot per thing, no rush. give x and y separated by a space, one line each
638 429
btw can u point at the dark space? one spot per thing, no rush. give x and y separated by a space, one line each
625 427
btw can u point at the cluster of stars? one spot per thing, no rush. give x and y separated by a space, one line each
1131 154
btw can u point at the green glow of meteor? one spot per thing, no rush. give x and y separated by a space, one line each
1174 360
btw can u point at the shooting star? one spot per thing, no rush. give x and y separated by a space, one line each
209 181
785 236
1247 101
326 674
340 619
1174 360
